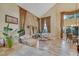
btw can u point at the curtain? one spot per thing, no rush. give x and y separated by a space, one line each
38 19
22 17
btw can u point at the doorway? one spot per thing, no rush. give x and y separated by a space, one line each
70 25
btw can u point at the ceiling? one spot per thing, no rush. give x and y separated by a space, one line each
38 9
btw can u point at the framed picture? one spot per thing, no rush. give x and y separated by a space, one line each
11 19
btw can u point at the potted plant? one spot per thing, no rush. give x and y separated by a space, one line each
8 37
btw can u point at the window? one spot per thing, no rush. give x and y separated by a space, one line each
45 24
72 16
45 30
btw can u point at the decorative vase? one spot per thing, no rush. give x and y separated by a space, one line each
2 42
9 42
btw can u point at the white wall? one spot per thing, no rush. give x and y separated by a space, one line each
9 9
12 9
37 9
55 13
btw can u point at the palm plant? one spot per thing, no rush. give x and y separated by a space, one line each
9 39
9 36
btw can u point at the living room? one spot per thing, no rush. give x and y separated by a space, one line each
35 27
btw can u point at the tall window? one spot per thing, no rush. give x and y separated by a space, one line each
45 24
45 30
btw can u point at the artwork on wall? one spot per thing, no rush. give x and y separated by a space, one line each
11 19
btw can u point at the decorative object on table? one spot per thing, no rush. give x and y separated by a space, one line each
11 19
2 42
8 36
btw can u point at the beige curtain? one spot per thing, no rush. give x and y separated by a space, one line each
22 17
38 19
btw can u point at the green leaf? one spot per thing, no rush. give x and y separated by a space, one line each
21 30
5 34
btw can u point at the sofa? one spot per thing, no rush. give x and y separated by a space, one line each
28 40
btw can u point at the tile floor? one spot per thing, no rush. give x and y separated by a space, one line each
59 47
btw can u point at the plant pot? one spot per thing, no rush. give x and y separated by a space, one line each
9 42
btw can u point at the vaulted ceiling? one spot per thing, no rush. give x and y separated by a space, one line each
38 9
